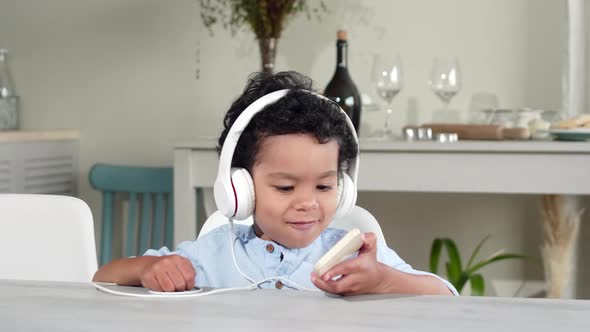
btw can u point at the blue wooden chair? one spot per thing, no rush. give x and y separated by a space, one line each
146 183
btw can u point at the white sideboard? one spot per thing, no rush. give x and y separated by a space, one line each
512 167
39 162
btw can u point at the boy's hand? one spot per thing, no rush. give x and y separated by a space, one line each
360 275
169 274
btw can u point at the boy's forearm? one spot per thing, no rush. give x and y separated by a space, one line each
398 282
124 271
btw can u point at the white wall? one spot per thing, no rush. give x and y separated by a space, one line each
123 73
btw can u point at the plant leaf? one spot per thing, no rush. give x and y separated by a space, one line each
494 259
454 258
477 284
452 275
476 251
435 255
461 282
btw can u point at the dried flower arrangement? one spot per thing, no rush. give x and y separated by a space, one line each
266 18
560 232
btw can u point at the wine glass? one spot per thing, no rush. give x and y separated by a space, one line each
388 79
445 79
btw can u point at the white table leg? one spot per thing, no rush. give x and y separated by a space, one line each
185 209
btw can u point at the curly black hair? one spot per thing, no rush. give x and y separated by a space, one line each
299 112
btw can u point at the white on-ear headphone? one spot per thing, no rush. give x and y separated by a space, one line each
234 188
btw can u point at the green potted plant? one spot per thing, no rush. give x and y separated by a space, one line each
266 18
459 275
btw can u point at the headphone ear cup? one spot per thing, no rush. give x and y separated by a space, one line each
243 192
346 196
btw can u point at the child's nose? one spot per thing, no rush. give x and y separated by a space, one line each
306 200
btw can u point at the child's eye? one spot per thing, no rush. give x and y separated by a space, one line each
284 188
324 187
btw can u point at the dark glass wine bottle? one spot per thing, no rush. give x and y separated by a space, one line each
341 88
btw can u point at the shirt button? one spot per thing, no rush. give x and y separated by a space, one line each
279 285
270 248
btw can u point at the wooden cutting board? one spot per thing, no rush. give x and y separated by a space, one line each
479 132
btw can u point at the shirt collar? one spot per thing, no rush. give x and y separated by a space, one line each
251 237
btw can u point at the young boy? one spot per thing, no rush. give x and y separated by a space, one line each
295 150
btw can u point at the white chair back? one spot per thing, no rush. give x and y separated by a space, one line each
46 237
357 218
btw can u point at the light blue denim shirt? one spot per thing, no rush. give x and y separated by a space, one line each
259 259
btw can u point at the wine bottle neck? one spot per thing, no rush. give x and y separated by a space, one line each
341 54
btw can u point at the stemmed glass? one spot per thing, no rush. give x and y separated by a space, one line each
445 79
388 79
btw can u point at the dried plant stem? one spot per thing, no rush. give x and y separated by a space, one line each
560 232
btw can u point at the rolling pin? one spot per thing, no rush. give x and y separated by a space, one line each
468 131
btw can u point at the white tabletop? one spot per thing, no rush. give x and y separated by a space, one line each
46 306
516 146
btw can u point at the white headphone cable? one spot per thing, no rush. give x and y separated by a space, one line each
289 282
106 287
199 292
258 283
233 253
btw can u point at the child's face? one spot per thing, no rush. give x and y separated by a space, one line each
295 181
